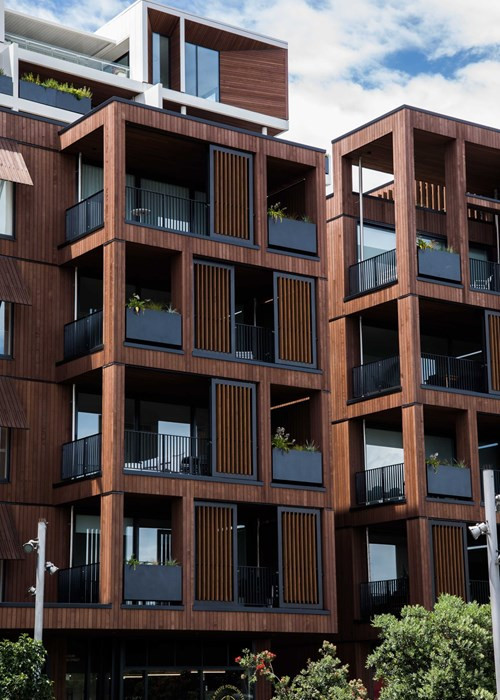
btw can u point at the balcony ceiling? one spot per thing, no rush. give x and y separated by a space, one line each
55 34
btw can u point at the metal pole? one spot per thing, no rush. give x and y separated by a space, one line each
361 222
493 573
40 579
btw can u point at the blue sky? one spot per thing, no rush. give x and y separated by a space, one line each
353 60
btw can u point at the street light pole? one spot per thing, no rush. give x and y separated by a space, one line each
40 579
493 566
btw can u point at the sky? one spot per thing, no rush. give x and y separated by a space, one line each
351 61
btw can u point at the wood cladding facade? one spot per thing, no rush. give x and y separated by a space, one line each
295 319
434 162
299 533
231 177
203 507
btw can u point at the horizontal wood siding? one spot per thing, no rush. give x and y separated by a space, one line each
234 430
214 553
300 558
213 307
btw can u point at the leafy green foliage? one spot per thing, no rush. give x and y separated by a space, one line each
137 304
324 679
443 654
21 665
79 93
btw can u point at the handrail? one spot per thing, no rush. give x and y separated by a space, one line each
166 211
79 584
81 458
68 55
257 586
383 596
373 273
254 343
484 275
162 453
376 377
85 216
83 335
453 373
380 485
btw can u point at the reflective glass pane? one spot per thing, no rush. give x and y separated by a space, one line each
383 448
173 686
208 74
376 241
4 453
88 420
6 208
160 59
5 327
191 69
133 686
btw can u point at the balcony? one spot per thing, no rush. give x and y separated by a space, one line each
83 336
381 485
85 216
147 582
298 466
439 265
479 591
378 597
165 211
484 275
70 56
81 458
154 327
453 373
254 343
373 273
258 587
449 481
291 234
171 455
375 378
78 585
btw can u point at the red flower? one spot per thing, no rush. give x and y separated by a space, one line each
238 659
260 666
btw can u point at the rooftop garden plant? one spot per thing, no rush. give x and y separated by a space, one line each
281 441
79 93
137 304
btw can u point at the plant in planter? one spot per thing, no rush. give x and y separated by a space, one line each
290 231
281 440
438 262
153 322
294 462
423 244
56 94
133 562
276 212
447 478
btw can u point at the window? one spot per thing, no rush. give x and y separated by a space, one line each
161 59
4 453
202 72
376 240
6 208
5 328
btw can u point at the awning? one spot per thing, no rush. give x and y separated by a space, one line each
12 414
10 546
12 286
12 165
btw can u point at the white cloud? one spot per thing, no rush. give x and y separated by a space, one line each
337 52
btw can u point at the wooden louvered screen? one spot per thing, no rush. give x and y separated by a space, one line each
234 428
214 553
213 299
449 564
231 194
300 559
493 328
295 319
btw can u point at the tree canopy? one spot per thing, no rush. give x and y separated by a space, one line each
21 665
442 654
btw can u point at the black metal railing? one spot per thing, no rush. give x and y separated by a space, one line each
484 275
79 584
83 335
81 458
86 216
373 273
257 586
453 373
479 591
383 597
254 343
375 377
166 211
381 485
171 454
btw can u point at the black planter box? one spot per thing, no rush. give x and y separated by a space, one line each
292 235
152 582
53 97
6 85
298 466
439 264
154 327
450 482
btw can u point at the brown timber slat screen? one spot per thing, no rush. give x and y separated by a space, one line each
231 194
294 320
214 553
213 307
449 566
233 406
494 358
300 558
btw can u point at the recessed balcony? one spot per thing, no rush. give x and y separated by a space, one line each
457 373
83 336
484 275
81 458
449 481
373 273
379 597
148 581
79 584
85 216
439 265
165 211
157 453
374 378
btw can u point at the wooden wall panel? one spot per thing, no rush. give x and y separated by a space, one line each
213 307
214 553
231 187
449 565
494 350
300 558
245 77
295 333
234 429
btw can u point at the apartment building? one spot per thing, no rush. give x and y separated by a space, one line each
157 327
414 310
